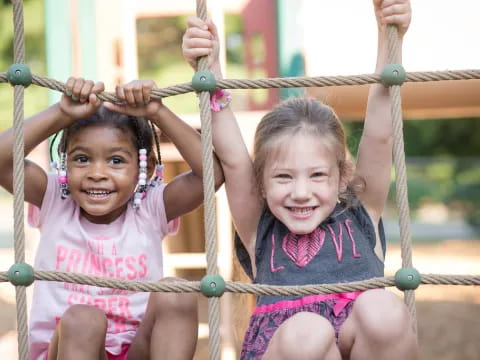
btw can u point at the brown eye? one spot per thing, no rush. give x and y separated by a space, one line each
81 159
116 160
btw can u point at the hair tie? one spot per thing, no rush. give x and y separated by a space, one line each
219 94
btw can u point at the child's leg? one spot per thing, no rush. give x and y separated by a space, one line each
379 327
304 336
80 335
169 329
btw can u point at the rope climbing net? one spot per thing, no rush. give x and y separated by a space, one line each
213 285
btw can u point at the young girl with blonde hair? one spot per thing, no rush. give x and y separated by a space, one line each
305 215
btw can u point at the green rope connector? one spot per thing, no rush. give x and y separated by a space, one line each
21 274
212 285
19 74
407 279
204 81
393 74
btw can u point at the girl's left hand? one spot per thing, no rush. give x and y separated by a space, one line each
395 12
135 98
80 98
201 39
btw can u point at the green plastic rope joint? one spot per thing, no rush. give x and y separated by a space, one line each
407 279
21 274
393 74
212 285
19 74
204 81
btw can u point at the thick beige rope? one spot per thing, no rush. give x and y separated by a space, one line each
209 202
238 287
394 51
209 191
293 82
18 180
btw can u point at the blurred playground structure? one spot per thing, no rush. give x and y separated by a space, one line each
111 40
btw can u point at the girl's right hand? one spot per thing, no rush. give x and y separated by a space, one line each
79 100
135 99
201 39
395 12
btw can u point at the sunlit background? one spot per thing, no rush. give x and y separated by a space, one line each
116 41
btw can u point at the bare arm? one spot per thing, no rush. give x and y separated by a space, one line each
243 194
38 128
184 193
375 149
188 142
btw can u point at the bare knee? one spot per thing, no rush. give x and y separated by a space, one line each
90 320
304 336
176 304
382 316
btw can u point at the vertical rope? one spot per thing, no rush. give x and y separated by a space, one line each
18 179
401 171
209 202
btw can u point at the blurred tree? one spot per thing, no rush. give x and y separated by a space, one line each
35 97
160 57
443 163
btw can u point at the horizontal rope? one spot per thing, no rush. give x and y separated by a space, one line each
239 287
293 82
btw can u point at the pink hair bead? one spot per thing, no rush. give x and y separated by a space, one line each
62 179
143 157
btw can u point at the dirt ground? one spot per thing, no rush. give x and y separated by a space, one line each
448 317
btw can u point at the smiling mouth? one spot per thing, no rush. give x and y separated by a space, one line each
301 211
98 194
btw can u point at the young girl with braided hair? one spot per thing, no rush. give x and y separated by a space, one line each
304 215
104 213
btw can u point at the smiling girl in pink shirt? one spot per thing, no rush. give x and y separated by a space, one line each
104 213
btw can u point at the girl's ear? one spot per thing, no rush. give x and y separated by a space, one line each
346 176
342 186
262 192
152 164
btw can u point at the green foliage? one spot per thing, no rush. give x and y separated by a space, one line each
35 97
160 56
443 163
234 41
442 137
158 41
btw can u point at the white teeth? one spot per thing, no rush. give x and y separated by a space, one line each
301 210
98 193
